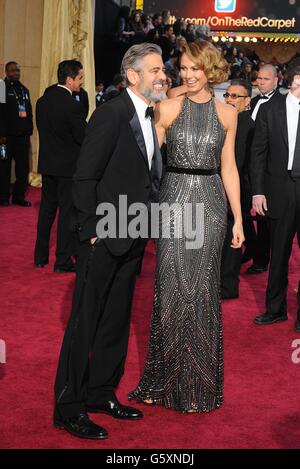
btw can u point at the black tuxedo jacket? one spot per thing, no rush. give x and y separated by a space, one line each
255 100
243 143
113 161
269 157
61 126
14 125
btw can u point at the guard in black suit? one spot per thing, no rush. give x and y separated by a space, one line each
238 95
18 126
275 177
267 83
61 126
120 157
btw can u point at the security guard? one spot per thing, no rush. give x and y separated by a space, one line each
18 129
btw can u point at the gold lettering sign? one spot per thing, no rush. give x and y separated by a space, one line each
260 22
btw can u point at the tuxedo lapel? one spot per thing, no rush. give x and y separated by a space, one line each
138 135
135 126
282 117
156 169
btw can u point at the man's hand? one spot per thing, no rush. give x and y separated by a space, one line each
93 240
259 204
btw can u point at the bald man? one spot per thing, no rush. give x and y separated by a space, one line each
267 84
275 178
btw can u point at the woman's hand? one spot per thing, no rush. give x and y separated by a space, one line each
238 235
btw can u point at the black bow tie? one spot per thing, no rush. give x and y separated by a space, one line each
263 97
149 112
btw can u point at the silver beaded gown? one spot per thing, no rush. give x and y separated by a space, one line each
184 367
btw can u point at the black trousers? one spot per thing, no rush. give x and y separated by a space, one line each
283 230
250 234
56 195
230 265
262 245
18 149
94 348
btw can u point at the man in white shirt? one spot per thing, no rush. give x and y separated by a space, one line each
267 84
275 175
260 246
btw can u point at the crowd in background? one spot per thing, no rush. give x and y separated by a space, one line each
134 27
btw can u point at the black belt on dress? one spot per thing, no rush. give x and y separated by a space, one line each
197 172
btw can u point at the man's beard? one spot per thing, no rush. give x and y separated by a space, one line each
151 93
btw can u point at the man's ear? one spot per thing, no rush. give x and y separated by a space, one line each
132 76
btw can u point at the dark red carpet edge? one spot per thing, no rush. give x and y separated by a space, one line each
261 407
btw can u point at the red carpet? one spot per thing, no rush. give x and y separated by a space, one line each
261 408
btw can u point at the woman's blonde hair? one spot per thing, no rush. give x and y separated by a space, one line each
209 59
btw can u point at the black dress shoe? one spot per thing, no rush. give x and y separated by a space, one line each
4 203
297 325
116 410
40 265
22 203
82 427
256 269
270 318
65 269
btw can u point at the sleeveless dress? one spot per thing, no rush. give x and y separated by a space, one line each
184 367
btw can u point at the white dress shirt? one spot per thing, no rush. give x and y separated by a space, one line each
292 113
66 88
260 102
140 107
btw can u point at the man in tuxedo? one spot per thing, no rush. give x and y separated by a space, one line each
120 156
275 176
99 92
81 97
18 125
238 95
267 84
61 126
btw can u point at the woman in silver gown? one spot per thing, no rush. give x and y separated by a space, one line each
184 367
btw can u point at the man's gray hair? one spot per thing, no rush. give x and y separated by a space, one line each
135 54
270 68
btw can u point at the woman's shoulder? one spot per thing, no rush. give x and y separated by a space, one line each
170 105
226 113
226 109
168 110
